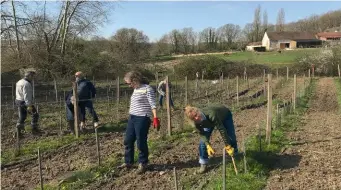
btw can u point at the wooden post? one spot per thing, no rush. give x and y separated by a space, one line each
259 137
339 71
295 89
18 141
244 153
237 92
60 116
277 74
97 148
202 76
40 171
169 126
309 73
278 117
186 91
13 96
75 107
175 179
287 73
55 89
224 169
33 91
269 110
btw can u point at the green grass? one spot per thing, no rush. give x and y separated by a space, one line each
260 163
273 59
338 89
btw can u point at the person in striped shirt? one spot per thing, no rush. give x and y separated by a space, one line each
142 107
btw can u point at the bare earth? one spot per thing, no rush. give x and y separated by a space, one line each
313 162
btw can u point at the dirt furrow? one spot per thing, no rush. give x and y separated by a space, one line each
78 156
182 154
316 146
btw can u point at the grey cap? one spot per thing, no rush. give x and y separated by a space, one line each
29 73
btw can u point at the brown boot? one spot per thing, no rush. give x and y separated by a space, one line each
141 168
125 166
203 169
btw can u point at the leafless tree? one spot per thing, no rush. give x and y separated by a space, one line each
280 20
257 23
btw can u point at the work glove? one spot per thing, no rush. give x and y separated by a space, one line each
29 109
210 150
156 123
230 150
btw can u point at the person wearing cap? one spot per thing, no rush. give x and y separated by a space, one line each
24 102
205 120
142 108
162 91
85 91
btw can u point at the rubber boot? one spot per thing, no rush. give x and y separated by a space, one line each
203 169
71 126
141 168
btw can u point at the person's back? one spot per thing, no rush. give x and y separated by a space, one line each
86 90
24 91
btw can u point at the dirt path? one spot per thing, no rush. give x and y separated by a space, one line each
313 162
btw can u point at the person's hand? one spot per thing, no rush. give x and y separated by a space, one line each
230 150
29 108
210 150
156 123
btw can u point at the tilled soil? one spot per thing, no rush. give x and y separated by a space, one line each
180 154
313 162
74 157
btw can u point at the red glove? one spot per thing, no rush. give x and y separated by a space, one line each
156 123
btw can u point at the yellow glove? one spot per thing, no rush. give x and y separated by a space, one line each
230 150
210 150
29 108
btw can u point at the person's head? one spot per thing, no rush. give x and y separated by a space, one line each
134 79
79 75
193 113
30 75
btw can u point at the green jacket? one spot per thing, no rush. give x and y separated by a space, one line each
215 116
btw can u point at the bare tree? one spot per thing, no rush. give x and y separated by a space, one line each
228 34
130 46
280 20
16 31
257 23
265 21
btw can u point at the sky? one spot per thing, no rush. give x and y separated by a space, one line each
156 18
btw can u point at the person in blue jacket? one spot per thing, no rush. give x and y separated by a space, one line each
86 91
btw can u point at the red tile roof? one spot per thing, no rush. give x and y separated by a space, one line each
329 34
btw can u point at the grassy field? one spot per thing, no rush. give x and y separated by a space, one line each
273 59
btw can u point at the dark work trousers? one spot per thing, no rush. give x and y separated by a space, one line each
22 113
228 124
137 130
89 106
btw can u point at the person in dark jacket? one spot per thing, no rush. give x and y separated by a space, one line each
85 91
205 120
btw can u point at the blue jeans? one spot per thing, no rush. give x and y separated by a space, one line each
22 113
137 130
170 99
228 124
89 106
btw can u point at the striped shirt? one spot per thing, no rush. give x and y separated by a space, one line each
142 101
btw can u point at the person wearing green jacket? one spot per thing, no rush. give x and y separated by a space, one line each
205 120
